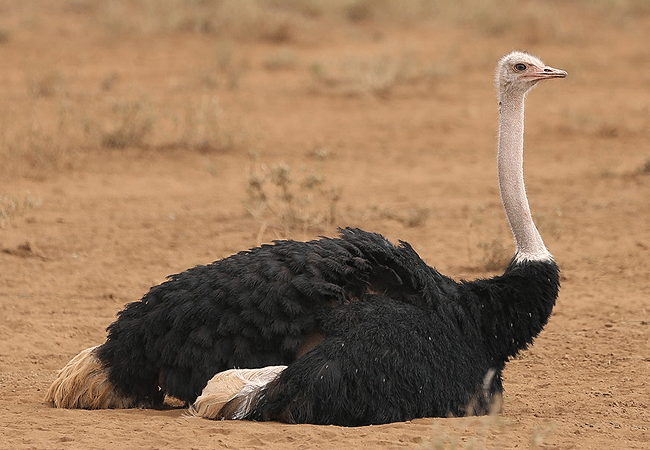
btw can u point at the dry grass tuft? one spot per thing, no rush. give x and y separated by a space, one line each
54 133
644 169
549 225
5 36
411 218
496 254
131 124
375 75
283 21
284 202
281 60
45 86
14 206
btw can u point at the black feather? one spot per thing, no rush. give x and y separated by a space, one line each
401 340
385 361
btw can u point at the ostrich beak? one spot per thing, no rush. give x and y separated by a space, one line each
545 73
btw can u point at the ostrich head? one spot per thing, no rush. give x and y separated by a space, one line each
517 72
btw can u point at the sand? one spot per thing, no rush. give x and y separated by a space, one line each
129 154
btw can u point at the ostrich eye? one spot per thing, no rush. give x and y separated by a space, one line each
520 67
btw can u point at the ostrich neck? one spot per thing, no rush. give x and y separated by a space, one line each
510 163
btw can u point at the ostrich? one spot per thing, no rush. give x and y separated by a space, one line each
350 330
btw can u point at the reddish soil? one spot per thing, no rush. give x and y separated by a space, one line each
386 126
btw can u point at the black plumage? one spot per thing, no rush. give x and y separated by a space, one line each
401 340
384 361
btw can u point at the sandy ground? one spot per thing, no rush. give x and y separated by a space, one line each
386 125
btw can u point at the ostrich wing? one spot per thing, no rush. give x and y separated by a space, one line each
255 308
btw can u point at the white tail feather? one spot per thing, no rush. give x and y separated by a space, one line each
83 383
229 384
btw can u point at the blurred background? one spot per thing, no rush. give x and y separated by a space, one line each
82 77
139 138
